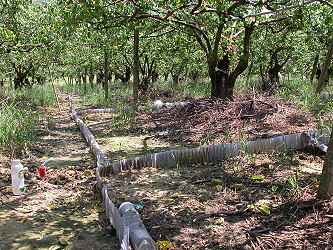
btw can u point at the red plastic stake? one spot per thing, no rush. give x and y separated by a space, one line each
42 171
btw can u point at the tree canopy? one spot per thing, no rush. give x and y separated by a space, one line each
216 38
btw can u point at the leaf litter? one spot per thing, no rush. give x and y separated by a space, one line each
181 208
249 202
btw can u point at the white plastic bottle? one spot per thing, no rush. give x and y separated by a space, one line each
17 174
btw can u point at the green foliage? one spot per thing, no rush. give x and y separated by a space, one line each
257 177
19 116
16 127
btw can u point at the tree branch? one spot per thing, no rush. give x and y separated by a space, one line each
282 9
196 7
327 3
236 5
198 33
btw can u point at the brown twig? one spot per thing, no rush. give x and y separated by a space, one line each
259 231
236 179
18 210
234 212
104 245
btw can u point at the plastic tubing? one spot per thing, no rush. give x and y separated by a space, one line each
138 235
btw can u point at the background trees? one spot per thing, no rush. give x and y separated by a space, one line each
177 38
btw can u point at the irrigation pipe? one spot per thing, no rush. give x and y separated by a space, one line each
155 106
127 222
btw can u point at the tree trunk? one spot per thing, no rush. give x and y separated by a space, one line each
136 65
325 190
84 79
154 76
10 80
223 82
175 79
79 79
324 72
106 75
91 76
249 73
275 66
21 76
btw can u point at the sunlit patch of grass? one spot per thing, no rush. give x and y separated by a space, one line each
19 116
16 127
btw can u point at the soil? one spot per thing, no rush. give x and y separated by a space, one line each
61 210
181 208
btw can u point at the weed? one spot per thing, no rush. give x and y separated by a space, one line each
175 163
250 156
226 131
292 179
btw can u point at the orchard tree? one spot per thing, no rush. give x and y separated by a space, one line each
222 29
15 42
325 190
31 31
317 22
275 44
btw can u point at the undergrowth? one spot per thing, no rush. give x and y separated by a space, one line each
19 116
18 107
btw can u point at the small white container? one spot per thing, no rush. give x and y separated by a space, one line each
17 173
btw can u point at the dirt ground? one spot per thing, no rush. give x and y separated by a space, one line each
186 209
60 211
181 208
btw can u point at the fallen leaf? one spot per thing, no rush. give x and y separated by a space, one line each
257 177
220 221
216 181
165 244
63 241
21 219
51 207
264 210
250 207
55 247
313 179
98 208
170 201
88 172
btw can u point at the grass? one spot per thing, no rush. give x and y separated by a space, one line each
19 116
16 127
303 94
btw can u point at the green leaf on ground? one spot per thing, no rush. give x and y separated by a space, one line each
264 210
257 177
216 181
170 201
